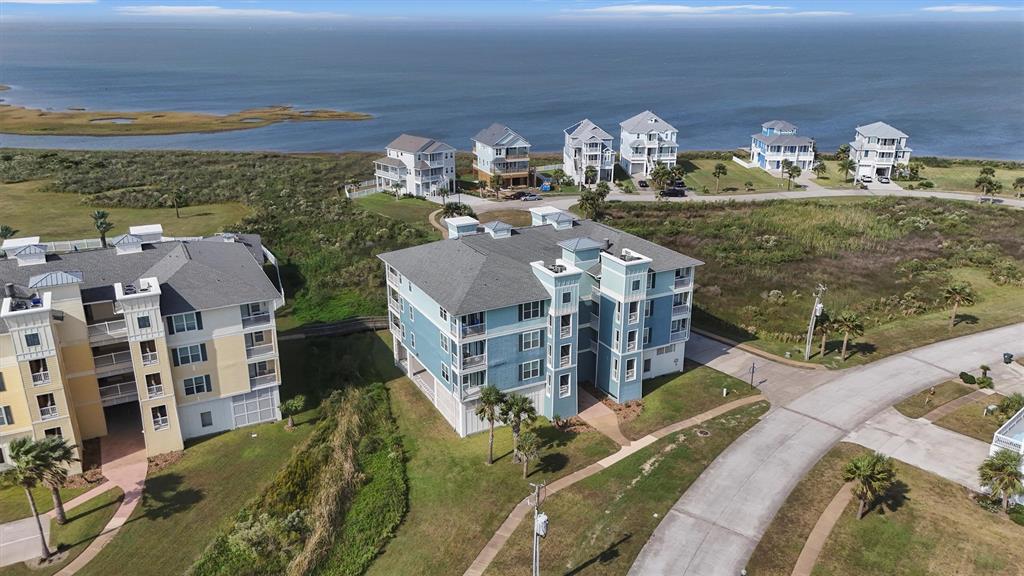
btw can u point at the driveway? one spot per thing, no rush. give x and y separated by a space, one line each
715 526
19 540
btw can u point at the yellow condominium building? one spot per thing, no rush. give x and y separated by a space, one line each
176 336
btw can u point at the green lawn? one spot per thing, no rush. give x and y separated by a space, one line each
960 178
599 525
698 175
970 419
354 359
936 529
513 217
833 177
85 523
14 504
62 216
457 501
671 398
924 402
410 210
779 548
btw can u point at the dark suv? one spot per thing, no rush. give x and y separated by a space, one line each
673 193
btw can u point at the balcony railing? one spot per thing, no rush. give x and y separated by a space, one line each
262 379
393 277
40 378
681 310
48 413
634 317
684 282
108 330
113 359
261 350
565 331
160 423
564 361
1008 443
155 391
473 329
116 391
630 375
1002 436
679 336
631 346
256 320
474 361
150 358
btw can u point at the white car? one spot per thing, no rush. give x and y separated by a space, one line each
883 179
866 178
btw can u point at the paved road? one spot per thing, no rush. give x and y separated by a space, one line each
19 540
714 527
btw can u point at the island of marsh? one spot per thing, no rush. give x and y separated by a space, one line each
34 122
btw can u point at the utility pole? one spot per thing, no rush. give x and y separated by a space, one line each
540 527
753 367
815 312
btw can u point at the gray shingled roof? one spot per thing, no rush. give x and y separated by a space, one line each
416 144
587 130
642 123
478 272
498 226
783 139
495 133
880 130
779 125
389 161
193 275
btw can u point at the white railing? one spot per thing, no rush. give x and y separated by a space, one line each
112 359
1002 436
120 390
155 391
631 346
565 331
679 336
48 413
681 310
160 423
473 361
40 378
260 350
149 358
564 361
1008 443
473 329
684 282
113 328
256 320
262 379
634 317
630 375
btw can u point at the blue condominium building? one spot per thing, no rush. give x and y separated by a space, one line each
536 310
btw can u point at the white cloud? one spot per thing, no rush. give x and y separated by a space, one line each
676 9
218 11
48 2
811 13
967 8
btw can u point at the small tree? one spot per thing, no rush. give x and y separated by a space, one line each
589 176
1010 405
516 410
989 186
819 168
487 408
958 294
529 449
873 475
678 172
99 219
660 174
987 171
850 324
6 232
1001 474
592 201
1018 185
627 187
792 172
748 185
293 406
557 175
846 167
179 198
27 466
720 170
843 152
496 183
57 455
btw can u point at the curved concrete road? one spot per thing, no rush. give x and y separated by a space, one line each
714 527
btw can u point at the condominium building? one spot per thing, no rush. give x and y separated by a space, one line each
415 166
587 145
778 142
180 330
499 150
536 310
877 148
645 141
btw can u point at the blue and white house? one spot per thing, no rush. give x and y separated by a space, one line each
645 140
779 141
878 149
536 310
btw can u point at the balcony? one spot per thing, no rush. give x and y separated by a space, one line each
149 358
633 317
474 361
40 378
473 330
394 278
395 305
684 282
679 336
256 320
118 393
564 361
264 379
630 375
114 362
565 332
154 391
160 423
48 412
681 310
631 346
261 350
108 331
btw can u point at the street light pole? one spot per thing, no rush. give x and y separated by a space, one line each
540 527
815 312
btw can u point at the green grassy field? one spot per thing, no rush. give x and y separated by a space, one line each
833 177
887 259
599 525
698 175
14 503
934 528
671 398
85 523
513 217
960 178
970 419
56 216
412 211
924 402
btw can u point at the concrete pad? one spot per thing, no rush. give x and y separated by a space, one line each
19 540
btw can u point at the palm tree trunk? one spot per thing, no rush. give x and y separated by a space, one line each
952 317
860 509
846 338
718 183
515 444
58 505
1006 503
490 446
291 421
824 336
526 465
39 523
103 239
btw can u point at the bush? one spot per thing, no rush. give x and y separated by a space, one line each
1016 513
968 379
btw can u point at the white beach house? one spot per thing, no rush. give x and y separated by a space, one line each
1010 436
586 144
877 148
645 140
499 150
416 166
778 141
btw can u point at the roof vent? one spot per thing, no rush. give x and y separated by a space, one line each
130 289
628 256
556 268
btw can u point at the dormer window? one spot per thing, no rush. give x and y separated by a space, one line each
32 339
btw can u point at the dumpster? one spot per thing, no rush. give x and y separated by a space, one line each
1007 357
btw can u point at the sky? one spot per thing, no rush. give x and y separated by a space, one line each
441 12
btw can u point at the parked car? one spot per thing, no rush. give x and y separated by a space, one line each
866 178
883 179
518 195
642 183
673 192
531 197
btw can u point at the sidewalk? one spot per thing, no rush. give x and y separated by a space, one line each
822 528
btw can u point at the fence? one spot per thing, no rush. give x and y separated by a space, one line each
342 328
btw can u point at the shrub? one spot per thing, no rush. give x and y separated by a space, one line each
968 379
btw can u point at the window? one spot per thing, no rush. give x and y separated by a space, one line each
634 312
566 354
412 340
160 421
55 432
412 314
566 297
564 389
648 308
529 370
186 322
529 340
47 406
443 313
616 338
530 310
595 309
154 387
444 343
253 407
190 354
631 340
444 373
253 309
678 325
647 364
636 285
615 369
32 339
206 419
143 322
2 386
650 279
197 385
474 380
647 336
6 418
631 369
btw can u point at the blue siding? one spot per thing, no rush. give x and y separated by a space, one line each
504 358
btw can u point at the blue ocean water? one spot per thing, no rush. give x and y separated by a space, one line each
956 89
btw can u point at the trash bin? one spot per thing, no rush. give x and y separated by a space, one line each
1007 357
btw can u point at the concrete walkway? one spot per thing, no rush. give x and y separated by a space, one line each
504 532
715 526
601 418
19 540
822 528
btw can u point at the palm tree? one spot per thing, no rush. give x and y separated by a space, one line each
27 465
496 182
179 198
1001 474
660 175
291 407
58 454
557 175
1010 405
958 294
786 163
529 448
819 168
987 171
6 232
988 185
1018 185
720 170
846 166
678 172
515 410
824 326
99 219
397 189
873 475
793 171
749 185
589 175
843 152
490 402
592 201
849 323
